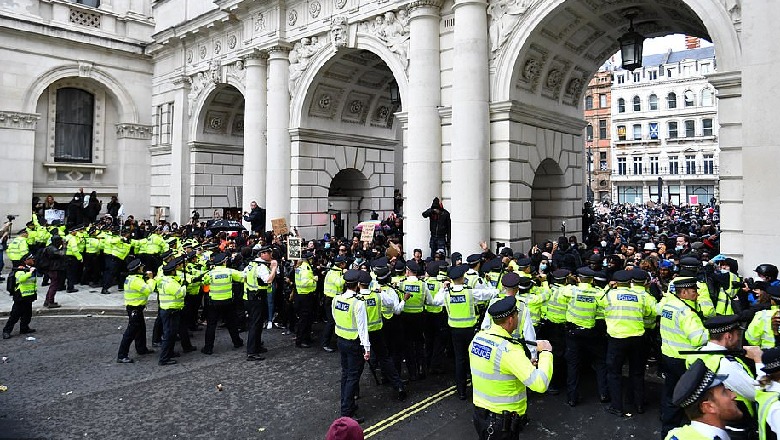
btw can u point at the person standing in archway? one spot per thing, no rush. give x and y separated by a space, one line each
256 217
440 226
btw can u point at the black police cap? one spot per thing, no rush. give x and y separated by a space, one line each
364 278
432 268
586 272
380 262
340 259
503 307
171 265
560 274
266 248
382 273
506 252
771 360
456 272
525 283
524 262
639 275
492 265
684 283
722 324
690 262
473 259
218 258
400 266
412 266
694 383
134 265
621 276
510 280
600 275
456 256
352 276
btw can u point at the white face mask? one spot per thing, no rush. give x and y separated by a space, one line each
679 248
542 267
603 243
724 271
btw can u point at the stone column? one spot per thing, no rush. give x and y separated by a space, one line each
422 159
180 154
134 181
278 178
470 156
255 147
17 159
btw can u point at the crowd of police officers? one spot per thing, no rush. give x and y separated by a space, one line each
650 286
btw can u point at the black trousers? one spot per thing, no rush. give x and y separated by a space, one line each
110 270
491 426
672 416
254 331
330 326
583 347
135 332
91 269
436 338
381 356
72 271
190 311
618 351
393 337
170 320
21 312
414 348
461 338
304 308
221 310
556 334
352 363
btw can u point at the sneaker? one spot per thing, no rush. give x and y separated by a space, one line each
254 357
6 335
328 349
168 362
269 326
46 304
72 290
124 360
29 330
54 306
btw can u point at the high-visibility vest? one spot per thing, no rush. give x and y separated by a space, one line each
334 282
220 280
387 311
433 286
92 245
137 290
373 304
624 313
344 317
17 249
712 361
681 327
252 281
724 307
170 293
25 283
416 289
759 332
581 310
72 247
686 432
460 307
556 304
765 401
493 360
304 279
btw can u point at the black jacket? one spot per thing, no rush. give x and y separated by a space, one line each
257 218
440 222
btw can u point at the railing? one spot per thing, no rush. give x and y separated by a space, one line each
682 172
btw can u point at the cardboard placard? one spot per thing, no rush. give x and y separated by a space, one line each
367 234
279 225
392 250
54 214
294 248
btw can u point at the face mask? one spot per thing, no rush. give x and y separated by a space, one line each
327 245
542 267
603 243
678 248
604 263
724 271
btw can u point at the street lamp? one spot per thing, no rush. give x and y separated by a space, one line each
631 47
590 172
395 93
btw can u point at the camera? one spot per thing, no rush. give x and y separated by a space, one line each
11 217
750 283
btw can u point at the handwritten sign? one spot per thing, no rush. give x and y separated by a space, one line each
54 214
294 248
279 226
367 234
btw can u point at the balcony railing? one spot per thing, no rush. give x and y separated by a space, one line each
682 172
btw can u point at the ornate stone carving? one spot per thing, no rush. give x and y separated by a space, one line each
237 71
314 9
574 87
292 17
393 30
259 22
133 131
217 47
531 70
215 71
202 52
338 32
504 18
232 40
340 4
300 58
554 79
324 101
190 56
85 69
734 8
21 121
216 122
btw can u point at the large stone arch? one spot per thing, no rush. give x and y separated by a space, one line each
128 111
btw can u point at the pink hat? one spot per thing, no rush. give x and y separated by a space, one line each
344 428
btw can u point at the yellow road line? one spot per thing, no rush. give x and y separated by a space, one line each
405 413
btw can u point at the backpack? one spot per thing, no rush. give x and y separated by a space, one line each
43 260
10 283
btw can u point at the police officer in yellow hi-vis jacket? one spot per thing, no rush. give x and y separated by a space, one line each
220 281
501 371
137 291
351 319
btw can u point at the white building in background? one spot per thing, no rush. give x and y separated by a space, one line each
665 125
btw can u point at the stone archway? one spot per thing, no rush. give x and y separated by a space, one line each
348 192
553 202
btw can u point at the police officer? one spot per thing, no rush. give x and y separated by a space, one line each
220 280
624 313
415 295
305 285
349 313
525 330
582 339
760 331
721 355
137 291
707 403
171 297
501 370
18 248
768 395
554 329
436 329
333 285
25 294
681 329
259 275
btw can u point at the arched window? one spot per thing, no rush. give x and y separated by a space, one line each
588 102
73 125
706 98
589 132
671 100
690 98
621 105
637 104
652 102
93 3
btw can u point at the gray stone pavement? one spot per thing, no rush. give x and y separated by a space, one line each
86 300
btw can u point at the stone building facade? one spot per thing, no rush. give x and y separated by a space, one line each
212 104
598 135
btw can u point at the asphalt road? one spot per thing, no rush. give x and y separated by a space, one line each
66 385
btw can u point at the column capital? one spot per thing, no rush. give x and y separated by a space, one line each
461 3
182 82
423 7
278 52
133 131
255 58
728 84
18 120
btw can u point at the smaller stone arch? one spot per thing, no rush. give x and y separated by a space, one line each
205 101
555 201
347 195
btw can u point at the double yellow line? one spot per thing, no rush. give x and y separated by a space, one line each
406 413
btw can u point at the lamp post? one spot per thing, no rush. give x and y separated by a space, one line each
590 171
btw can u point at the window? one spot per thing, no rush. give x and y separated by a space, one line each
621 79
709 164
653 190
603 161
686 70
653 75
690 164
164 123
588 102
706 98
653 130
621 132
706 127
674 166
653 164
630 194
700 194
603 129
636 132
652 102
705 68
672 126
669 73
602 101
690 98
92 3
621 105
622 166
638 165
637 104
674 194
589 132
637 77
671 100
690 128
73 125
